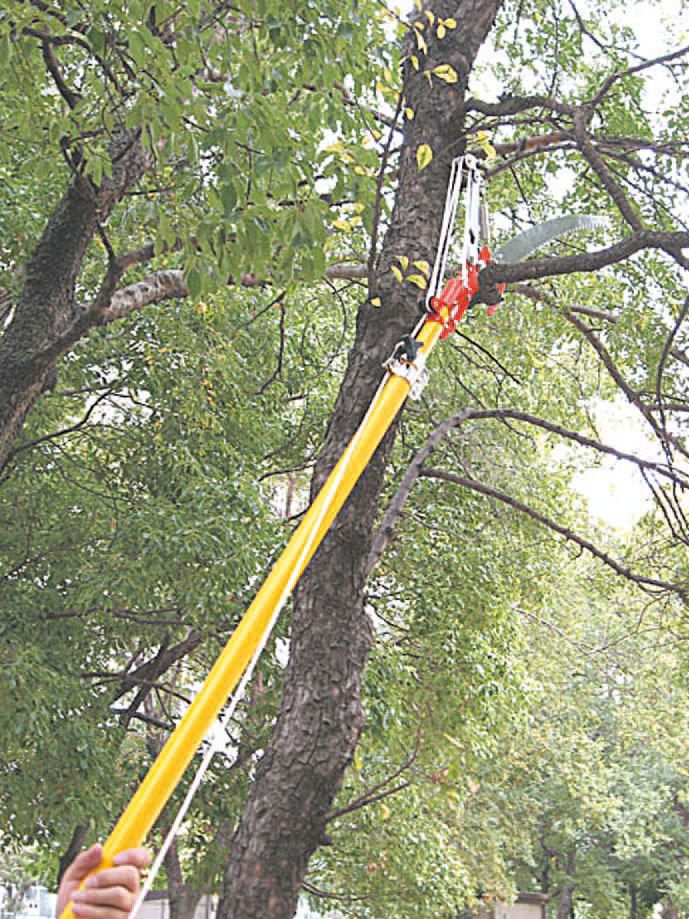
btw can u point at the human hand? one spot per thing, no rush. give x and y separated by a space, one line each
107 894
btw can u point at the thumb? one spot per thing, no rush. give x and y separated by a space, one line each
84 863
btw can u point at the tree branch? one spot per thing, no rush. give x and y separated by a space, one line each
377 793
416 468
71 98
568 534
582 115
670 242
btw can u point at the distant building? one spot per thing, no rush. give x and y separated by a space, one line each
156 906
38 903
526 906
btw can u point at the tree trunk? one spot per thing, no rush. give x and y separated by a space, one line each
565 902
183 899
285 817
46 320
75 846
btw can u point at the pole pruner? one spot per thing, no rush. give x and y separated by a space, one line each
464 290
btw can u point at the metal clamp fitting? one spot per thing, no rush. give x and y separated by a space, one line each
408 361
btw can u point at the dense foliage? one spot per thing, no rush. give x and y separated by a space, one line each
526 690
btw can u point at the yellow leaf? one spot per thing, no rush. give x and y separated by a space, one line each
387 73
417 279
384 812
359 206
450 23
409 112
415 61
424 155
403 260
446 72
440 31
418 4
485 145
340 224
430 17
420 40
358 765
398 274
423 266
376 301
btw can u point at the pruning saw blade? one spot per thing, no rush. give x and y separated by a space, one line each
517 249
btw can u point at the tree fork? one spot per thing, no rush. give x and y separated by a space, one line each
46 321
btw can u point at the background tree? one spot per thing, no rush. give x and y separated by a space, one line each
194 141
16 877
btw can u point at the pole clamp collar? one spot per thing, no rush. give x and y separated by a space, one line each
408 361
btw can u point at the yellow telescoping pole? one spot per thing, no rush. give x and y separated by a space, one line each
172 761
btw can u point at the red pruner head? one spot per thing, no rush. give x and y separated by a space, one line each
484 261
455 299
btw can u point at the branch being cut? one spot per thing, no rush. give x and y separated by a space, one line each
670 242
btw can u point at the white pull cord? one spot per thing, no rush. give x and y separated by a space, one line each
241 687
472 222
447 229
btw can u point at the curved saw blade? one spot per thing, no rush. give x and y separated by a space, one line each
517 249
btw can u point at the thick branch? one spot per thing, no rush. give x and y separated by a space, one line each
514 105
150 671
589 261
610 184
46 320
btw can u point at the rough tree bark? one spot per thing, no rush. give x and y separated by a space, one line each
47 318
286 815
565 900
